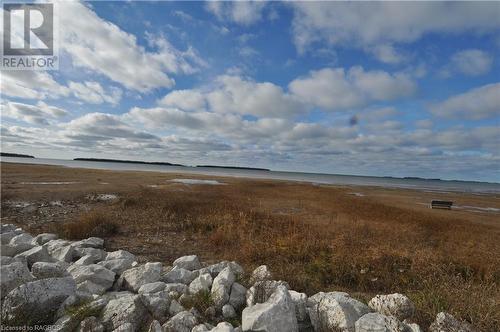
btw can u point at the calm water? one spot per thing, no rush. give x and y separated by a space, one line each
431 185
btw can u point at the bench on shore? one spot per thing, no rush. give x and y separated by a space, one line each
441 205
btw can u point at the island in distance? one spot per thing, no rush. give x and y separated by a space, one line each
166 163
15 155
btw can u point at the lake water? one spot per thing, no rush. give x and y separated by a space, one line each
421 184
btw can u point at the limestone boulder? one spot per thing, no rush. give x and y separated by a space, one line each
447 323
44 270
396 305
127 309
184 321
37 302
190 262
221 287
335 311
12 276
377 322
136 277
277 314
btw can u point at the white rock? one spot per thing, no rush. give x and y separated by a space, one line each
378 322
190 262
153 287
91 242
85 260
275 315
44 238
88 286
6 260
37 302
335 311
122 310
182 322
201 283
21 238
43 270
200 328
120 254
96 254
221 287
157 304
215 269
262 290
447 323
12 276
413 327
223 327
93 273
36 254
134 278
261 273
126 327
12 250
300 302
178 275
228 311
238 296
60 250
175 308
155 326
177 288
7 236
90 324
118 265
396 305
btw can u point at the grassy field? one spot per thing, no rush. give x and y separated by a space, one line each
315 237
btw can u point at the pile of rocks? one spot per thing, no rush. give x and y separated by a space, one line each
78 286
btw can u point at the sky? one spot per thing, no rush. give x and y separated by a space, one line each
377 88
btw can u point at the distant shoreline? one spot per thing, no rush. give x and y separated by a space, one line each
236 167
15 155
128 161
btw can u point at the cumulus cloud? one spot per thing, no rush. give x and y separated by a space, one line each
93 93
370 24
102 126
190 100
472 62
31 85
240 12
38 114
478 103
237 95
103 47
334 89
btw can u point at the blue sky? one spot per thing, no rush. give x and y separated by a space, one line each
386 88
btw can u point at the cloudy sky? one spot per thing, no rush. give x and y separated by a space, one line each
381 88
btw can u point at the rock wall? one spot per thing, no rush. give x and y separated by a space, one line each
59 285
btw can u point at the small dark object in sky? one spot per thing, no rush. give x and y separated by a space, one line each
353 120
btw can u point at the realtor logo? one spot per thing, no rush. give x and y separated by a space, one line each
28 36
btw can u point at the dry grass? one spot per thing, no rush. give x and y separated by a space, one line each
316 238
340 243
90 224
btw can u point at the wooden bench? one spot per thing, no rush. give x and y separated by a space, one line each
441 205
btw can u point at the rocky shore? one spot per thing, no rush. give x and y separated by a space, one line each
60 285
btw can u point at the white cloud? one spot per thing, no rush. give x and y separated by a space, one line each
370 24
102 126
387 54
93 92
31 85
334 89
472 62
236 95
38 114
190 100
103 47
475 104
241 12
